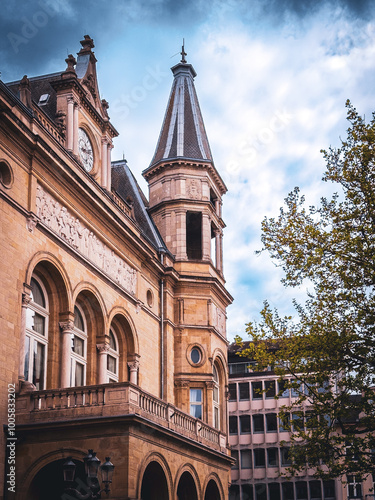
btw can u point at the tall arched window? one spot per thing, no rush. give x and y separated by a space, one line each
216 399
79 349
112 358
36 341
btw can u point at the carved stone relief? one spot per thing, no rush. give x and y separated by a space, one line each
218 319
194 189
76 234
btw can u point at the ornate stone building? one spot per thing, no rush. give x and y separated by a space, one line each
113 308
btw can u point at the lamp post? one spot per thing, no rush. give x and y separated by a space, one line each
91 489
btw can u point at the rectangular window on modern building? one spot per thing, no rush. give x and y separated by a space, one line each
260 492
259 457
284 454
274 491
247 492
258 423
244 391
234 454
245 459
284 423
245 424
282 391
271 422
256 390
270 387
297 421
234 492
354 487
272 457
232 392
301 490
233 426
288 493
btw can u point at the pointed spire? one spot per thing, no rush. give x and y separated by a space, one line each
183 134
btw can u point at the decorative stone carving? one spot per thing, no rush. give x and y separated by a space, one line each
60 121
210 384
26 299
194 189
218 319
66 326
133 365
78 236
31 223
103 348
182 383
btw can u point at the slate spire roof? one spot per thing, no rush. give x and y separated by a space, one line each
183 134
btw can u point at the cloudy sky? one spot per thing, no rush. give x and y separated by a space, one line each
273 78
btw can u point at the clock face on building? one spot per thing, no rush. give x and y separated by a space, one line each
85 150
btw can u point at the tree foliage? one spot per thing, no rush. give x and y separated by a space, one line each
327 352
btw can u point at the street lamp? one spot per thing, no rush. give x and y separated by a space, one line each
91 489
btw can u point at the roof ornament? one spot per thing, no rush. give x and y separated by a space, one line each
183 53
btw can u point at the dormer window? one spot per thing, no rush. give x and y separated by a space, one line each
43 99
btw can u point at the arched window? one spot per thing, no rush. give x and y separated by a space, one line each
112 358
36 341
216 399
79 349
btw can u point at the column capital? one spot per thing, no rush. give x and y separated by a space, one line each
66 326
103 348
133 365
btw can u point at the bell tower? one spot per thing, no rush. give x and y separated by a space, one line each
185 192
185 189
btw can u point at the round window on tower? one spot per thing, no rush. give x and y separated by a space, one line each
195 355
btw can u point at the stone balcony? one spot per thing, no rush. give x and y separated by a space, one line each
111 400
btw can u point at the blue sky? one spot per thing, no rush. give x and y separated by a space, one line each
273 78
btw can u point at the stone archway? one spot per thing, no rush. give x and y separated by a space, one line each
212 491
154 483
48 483
186 489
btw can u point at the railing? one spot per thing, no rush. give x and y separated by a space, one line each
110 400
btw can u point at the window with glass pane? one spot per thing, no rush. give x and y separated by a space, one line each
234 492
288 493
245 459
270 387
329 490
260 491
284 423
196 403
78 349
234 454
271 422
113 358
274 491
233 426
301 490
354 487
315 490
284 454
216 398
245 424
247 492
244 391
272 457
258 423
297 421
256 390
259 457
36 336
232 392
283 392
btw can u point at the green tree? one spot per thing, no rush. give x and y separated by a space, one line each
326 353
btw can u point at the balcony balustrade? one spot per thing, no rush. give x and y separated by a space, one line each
111 400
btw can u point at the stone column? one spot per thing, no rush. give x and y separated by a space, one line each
75 129
133 368
26 299
180 235
206 237
70 123
66 347
221 252
104 164
109 172
103 351
210 402
218 261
